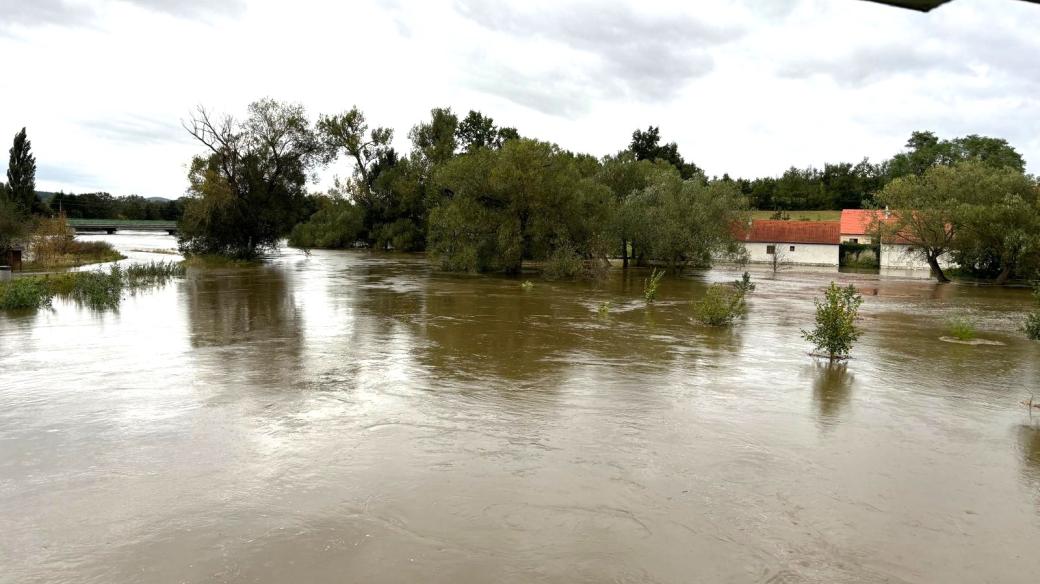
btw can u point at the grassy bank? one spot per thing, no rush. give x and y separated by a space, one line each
98 289
74 254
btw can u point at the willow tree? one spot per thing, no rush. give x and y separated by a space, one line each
527 200
971 210
248 190
686 222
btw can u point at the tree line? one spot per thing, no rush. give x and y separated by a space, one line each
103 205
480 197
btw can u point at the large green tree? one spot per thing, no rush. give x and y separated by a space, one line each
950 209
528 200
686 222
925 150
248 190
625 176
646 145
999 222
21 174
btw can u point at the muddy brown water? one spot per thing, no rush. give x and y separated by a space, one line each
355 417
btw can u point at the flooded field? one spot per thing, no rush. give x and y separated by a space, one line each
356 417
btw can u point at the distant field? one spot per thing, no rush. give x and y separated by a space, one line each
801 215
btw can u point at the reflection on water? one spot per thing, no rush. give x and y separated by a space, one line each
1029 445
359 417
832 385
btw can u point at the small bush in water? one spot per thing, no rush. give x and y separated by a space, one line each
604 308
961 328
744 285
1033 319
651 284
836 315
527 285
24 293
721 305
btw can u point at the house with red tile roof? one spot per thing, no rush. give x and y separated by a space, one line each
897 251
811 243
862 225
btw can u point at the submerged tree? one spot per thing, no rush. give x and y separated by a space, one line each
836 315
527 200
248 190
980 213
685 222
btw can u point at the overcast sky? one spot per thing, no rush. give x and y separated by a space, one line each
744 87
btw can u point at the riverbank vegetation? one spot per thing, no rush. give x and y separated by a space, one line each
53 245
96 289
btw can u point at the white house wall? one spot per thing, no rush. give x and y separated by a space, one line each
904 257
807 254
859 239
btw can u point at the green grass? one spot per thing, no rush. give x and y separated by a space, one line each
801 215
97 289
24 294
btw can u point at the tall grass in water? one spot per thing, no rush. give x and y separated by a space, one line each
96 289
24 294
53 245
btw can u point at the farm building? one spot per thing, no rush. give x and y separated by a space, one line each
897 252
807 243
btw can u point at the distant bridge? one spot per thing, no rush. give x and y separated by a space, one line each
111 226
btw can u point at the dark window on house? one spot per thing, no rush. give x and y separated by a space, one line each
792 248
770 249
854 240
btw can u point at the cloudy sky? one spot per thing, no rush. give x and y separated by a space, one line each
745 87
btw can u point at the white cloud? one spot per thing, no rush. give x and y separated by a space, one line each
744 87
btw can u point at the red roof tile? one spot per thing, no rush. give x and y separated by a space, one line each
860 221
773 231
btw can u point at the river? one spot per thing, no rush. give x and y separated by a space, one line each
347 416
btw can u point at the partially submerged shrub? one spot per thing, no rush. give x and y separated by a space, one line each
604 308
1032 327
961 328
651 284
24 293
744 285
721 305
527 285
835 330
97 289
562 264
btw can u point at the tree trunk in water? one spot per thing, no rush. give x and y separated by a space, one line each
1004 275
933 262
624 253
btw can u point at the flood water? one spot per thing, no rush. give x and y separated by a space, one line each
357 417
